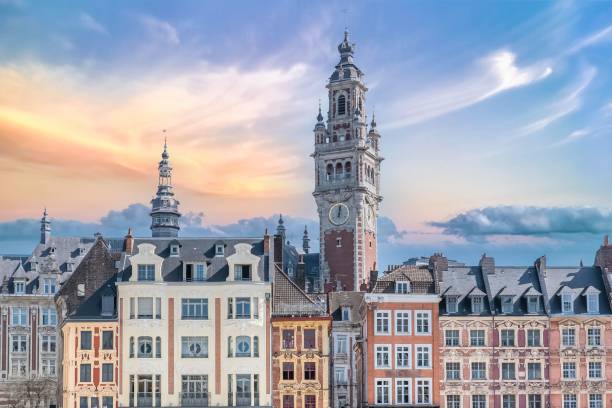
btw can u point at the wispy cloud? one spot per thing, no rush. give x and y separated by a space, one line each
492 75
595 38
570 101
90 23
161 29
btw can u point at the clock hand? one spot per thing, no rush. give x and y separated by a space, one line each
339 211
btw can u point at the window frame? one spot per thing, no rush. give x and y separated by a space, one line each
384 316
417 331
403 316
382 349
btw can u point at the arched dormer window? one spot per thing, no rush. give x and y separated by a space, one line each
329 172
341 105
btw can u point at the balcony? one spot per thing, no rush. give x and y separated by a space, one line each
194 399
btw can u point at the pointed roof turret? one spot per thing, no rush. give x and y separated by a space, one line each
45 228
164 207
280 228
306 240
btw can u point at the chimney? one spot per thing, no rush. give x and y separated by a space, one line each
128 242
540 265
605 240
266 242
278 249
487 263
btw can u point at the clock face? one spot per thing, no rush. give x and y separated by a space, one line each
370 217
338 214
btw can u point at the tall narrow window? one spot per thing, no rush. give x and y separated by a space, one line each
341 105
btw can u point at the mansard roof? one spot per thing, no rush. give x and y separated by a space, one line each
197 250
574 281
289 300
338 300
58 252
420 277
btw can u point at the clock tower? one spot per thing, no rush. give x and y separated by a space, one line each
347 178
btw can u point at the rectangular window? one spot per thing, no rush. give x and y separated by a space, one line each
402 391
243 390
20 287
423 356
194 309
534 371
146 272
48 343
423 391
19 316
49 317
402 322
107 372
85 373
507 305
310 371
402 287
83 402
383 391
145 307
507 338
288 339
479 371
423 322
93 402
567 304
451 338
592 303
453 401
534 401
451 304
570 401
107 340
508 371
310 341
48 367
382 323
479 401
288 371
20 343
200 272
243 308
402 356
49 287
341 344
477 338
508 401
533 304
594 336
595 370
194 347
86 340
476 304
569 370
568 337
288 401
242 272
107 402
595 401
453 371
158 308
340 376
310 401
346 313
533 338
382 356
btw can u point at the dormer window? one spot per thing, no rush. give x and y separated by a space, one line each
219 250
452 304
346 313
20 287
81 290
174 250
195 272
52 250
507 305
567 303
242 272
146 272
476 304
592 303
49 286
69 266
402 287
533 304
33 266
81 250
108 305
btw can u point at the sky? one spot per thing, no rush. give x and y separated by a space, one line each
496 119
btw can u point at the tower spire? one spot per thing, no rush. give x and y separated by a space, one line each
280 228
306 240
45 228
164 207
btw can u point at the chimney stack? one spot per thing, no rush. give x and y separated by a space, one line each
128 242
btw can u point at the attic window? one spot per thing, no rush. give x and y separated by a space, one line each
533 305
19 288
81 289
242 272
69 266
567 303
346 313
592 303
108 305
81 251
477 304
507 305
52 250
33 266
174 250
402 287
451 304
219 250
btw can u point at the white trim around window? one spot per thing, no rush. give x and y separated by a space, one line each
403 314
382 384
400 384
405 352
380 329
419 348
383 349
418 315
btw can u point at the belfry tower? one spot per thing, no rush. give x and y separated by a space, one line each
164 207
347 178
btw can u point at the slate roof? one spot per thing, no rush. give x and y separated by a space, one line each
289 300
197 250
58 252
513 281
465 281
338 300
575 280
420 277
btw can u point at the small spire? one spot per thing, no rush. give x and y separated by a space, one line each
165 154
373 124
320 115
280 228
306 240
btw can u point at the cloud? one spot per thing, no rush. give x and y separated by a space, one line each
569 102
607 109
160 29
573 136
90 23
527 221
495 73
595 38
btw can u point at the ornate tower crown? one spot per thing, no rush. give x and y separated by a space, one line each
164 207
45 228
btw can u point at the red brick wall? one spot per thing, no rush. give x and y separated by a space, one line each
370 254
341 259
